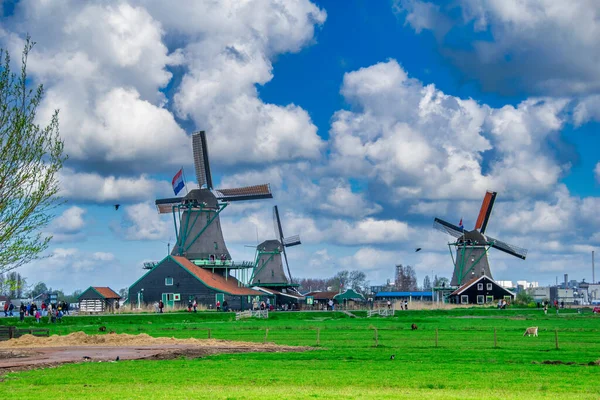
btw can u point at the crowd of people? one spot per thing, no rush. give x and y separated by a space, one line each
54 311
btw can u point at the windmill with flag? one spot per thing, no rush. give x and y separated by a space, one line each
472 246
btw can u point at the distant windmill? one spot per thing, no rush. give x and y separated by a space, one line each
268 267
199 235
472 246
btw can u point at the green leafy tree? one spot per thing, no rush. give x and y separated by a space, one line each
523 297
30 158
38 289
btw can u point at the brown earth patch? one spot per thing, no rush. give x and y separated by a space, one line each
29 351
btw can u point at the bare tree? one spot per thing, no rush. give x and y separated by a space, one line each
427 283
30 158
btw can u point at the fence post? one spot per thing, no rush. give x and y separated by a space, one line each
556 337
376 338
318 336
11 332
209 333
495 339
436 337
266 335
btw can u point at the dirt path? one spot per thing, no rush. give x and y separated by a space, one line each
34 352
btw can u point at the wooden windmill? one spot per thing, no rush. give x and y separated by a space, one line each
472 246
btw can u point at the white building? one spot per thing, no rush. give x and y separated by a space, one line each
505 284
527 285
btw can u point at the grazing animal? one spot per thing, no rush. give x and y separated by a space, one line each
531 331
118 358
414 327
393 356
102 329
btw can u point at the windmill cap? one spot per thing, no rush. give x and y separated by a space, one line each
202 196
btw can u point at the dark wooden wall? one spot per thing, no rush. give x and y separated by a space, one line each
184 283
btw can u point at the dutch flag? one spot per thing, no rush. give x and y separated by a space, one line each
177 182
460 224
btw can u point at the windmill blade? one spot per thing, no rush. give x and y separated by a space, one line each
281 239
508 248
165 206
279 230
448 228
201 163
245 193
485 211
286 262
291 241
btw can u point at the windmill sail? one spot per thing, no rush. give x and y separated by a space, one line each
485 211
281 239
508 248
448 228
201 163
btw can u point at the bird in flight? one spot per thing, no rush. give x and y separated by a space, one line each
417 249
117 206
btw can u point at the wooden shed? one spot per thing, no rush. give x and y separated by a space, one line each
96 299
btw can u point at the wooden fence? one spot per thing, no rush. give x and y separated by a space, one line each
250 314
11 332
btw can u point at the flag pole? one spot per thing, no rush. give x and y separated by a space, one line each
184 180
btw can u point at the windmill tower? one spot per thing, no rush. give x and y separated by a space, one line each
472 246
268 267
196 215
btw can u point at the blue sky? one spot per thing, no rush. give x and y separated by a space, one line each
368 118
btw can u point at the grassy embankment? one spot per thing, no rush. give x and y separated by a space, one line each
465 364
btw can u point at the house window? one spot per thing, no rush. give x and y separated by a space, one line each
480 286
480 299
464 299
168 281
489 286
489 299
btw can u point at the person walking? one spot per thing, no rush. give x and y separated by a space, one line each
11 307
6 308
38 316
195 305
405 304
161 305
22 311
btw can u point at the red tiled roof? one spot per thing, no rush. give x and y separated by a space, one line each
216 281
106 292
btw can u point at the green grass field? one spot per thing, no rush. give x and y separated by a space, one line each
347 364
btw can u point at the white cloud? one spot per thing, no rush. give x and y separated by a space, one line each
542 45
142 222
68 226
83 269
368 231
422 143
70 221
92 187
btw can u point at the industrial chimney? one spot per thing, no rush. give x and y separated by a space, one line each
566 281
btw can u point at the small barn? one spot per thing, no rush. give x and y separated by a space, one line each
176 280
97 299
481 290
